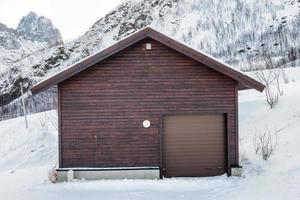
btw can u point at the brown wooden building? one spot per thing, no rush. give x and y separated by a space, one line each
149 103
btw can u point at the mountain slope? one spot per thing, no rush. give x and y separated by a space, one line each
14 46
40 28
244 33
20 48
34 33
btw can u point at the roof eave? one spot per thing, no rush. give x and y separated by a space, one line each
259 87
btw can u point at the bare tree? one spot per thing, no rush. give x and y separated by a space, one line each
48 119
52 174
284 75
267 77
52 118
265 143
43 122
277 75
243 157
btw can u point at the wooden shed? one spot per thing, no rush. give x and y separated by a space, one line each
148 106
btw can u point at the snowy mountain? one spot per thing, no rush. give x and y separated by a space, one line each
40 28
245 33
33 36
14 46
34 33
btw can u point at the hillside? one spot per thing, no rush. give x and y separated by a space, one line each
244 33
34 33
28 155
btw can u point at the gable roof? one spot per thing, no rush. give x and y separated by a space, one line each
245 82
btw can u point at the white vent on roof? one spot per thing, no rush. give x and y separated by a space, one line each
148 46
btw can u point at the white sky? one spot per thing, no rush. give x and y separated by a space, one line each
71 17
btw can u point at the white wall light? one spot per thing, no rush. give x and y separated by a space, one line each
146 124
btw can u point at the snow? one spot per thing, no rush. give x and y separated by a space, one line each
28 155
23 147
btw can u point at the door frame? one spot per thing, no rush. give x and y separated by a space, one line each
161 132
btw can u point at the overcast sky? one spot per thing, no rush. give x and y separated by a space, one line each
71 17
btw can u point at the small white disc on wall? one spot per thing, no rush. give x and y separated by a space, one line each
146 124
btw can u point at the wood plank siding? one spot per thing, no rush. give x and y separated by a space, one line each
103 107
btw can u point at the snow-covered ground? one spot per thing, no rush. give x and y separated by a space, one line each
28 155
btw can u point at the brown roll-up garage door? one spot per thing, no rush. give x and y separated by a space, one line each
194 146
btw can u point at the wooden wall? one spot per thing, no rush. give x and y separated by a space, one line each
103 107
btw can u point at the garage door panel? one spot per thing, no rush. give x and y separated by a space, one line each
194 145
180 162
202 173
196 137
196 167
195 155
187 153
207 142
